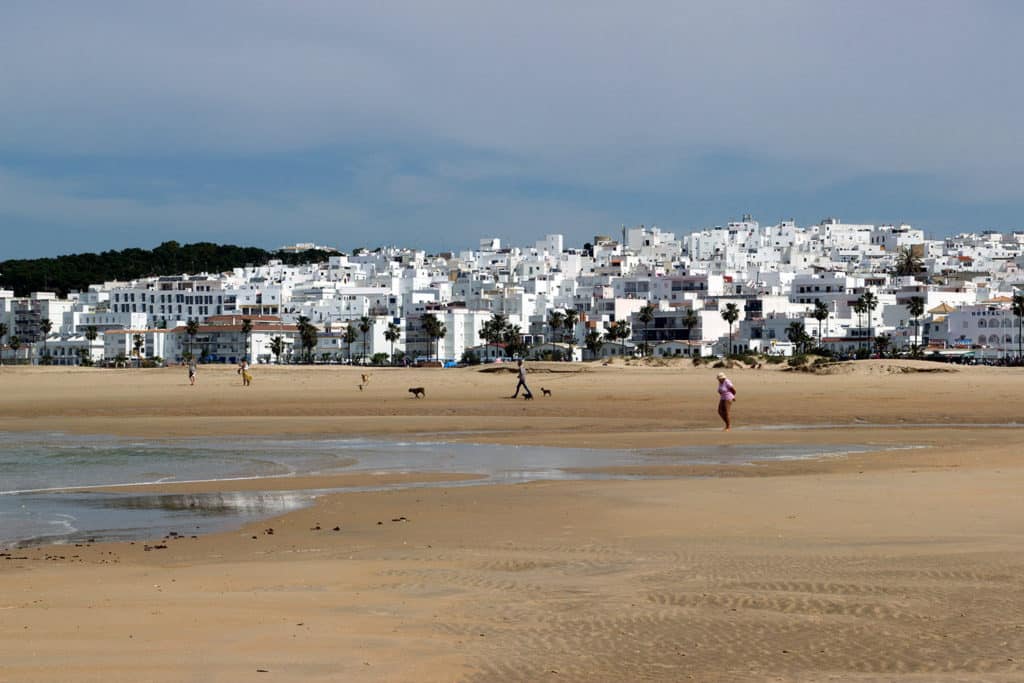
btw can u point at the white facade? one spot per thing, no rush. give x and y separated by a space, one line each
770 272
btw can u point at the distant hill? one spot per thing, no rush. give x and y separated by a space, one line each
63 274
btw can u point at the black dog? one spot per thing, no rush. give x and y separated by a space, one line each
546 392
418 392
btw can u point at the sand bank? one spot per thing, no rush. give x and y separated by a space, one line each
877 566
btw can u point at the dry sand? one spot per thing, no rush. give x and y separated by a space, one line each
897 564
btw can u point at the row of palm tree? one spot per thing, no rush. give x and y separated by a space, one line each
865 304
45 326
435 331
308 337
566 320
689 321
498 330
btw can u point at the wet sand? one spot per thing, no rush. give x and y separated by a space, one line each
892 564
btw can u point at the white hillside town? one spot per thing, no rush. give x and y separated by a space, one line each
849 289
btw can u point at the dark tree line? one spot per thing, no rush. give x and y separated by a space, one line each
62 274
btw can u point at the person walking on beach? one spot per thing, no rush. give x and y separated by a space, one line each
243 370
192 373
726 395
522 382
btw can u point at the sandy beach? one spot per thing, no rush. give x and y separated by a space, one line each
902 562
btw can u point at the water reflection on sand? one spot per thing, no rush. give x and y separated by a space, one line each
47 515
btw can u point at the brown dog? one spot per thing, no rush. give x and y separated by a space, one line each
418 392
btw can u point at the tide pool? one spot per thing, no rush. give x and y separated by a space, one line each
36 469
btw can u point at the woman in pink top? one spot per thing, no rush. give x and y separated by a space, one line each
726 395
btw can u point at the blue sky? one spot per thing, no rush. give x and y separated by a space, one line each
434 124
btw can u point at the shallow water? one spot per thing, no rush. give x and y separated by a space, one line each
35 466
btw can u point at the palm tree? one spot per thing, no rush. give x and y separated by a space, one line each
646 315
870 303
191 329
430 325
513 339
247 332
916 308
90 334
555 321
349 336
4 329
493 330
611 333
277 348
907 263
15 344
858 308
572 316
821 315
365 323
690 320
392 334
624 333
882 343
438 334
730 314
619 329
593 342
1018 310
307 337
137 343
796 332
45 325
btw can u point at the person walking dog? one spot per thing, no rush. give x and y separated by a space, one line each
522 382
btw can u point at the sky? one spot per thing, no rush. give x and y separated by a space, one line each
434 124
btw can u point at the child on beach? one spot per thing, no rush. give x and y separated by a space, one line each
192 373
726 395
